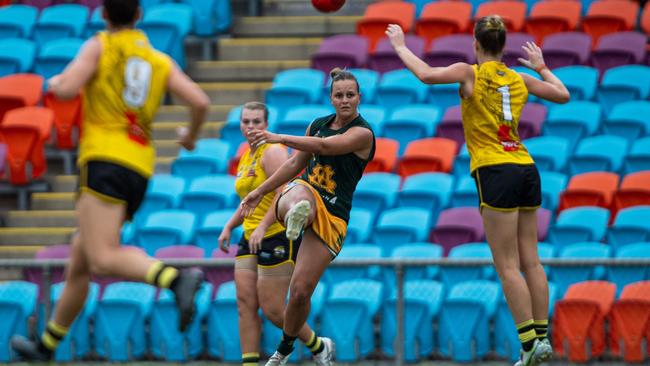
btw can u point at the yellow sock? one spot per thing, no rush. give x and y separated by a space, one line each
250 359
53 335
314 344
161 275
527 334
541 328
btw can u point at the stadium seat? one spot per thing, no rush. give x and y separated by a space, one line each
461 164
19 90
164 228
206 17
626 275
55 55
590 189
512 12
375 115
297 119
400 87
428 155
631 225
604 17
565 276
67 124
376 192
179 251
566 49
552 16
16 55
444 96
17 21
119 328
464 320
549 152
465 193
17 305
209 157
531 120
581 81
35 275
163 192
412 273
209 230
220 275
430 191
638 159
385 58
368 81
422 302
543 223
573 121
400 226
634 191
91 4
96 23
589 155
223 328
347 317
295 87
411 122
627 120
452 275
166 26
458 226
231 131
60 21
450 49
377 16
338 274
618 49
385 158
341 50
579 224
579 320
359 225
623 83
441 18
628 322
451 125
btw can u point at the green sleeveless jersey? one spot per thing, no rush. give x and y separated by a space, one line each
335 177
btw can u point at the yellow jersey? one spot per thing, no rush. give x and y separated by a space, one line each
121 100
491 116
250 175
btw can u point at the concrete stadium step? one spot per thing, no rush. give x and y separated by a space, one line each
167 130
232 93
18 251
63 183
42 218
174 113
263 70
53 201
295 26
239 49
35 235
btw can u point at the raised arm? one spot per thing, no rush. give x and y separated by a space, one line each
550 88
79 71
356 139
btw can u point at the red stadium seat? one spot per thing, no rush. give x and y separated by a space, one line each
385 156
379 15
443 18
552 16
590 189
19 90
234 161
629 322
634 191
513 12
607 16
428 155
67 117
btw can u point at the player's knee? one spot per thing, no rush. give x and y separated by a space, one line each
301 292
246 305
531 265
100 265
273 312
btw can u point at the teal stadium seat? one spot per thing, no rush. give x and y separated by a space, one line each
60 21
411 122
444 96
165 228
461 164
209 230
638 158
167 25
210 156
164 191
430 191
297 119
17 304
96 23
465 193
400 87
338 274
210 193
376 192
579 224
631 225
553 183
295 87
16 56
598 153
573 121
418 250
359 226
625 275
401 225
549 152
628 120
375 115
223 328
54 56
582 81
453 275
17 21
623 83
565 276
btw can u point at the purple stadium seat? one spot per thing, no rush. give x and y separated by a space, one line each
543 222
91 4
179 251
512 51
451 126
450 49
531 120
458 225
385 59
40 4
617 49
346 50
3 157
217 276
35 275
566 48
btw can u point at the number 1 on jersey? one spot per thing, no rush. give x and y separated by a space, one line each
505 102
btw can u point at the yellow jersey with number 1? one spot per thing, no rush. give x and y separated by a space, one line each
121 100
491 116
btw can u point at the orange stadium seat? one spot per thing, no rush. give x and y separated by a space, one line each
513 12
379 15
234 161
19 90
67 117
385 156
443 18
607 16
580 317
553 16
629 322
634 191
589 189
434 154
645 20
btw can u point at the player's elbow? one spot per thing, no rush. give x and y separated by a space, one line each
563 97
200 103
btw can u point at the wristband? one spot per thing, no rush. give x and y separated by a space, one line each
541 68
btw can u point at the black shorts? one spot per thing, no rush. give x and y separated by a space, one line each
275 250
113 183
508 187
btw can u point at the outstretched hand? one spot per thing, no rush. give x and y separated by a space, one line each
184 138
261 137
535 59
395 35
250 202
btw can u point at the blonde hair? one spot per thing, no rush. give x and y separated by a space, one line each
256 106
490 32
338 74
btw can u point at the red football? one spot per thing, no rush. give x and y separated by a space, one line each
327 6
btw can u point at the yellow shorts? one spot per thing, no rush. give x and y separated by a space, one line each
329 228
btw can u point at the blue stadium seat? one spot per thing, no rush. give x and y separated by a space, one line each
579 224
54 56
17 21
335 274
465 194
375 115
565 276
167 25
60 21
359 226
573 121
231 131
411 122
623 83
223 327
163 192
297 119
208 232
96 23
16 56
422 301
628 120
127 232
376 192
430 191
400 226
581 81
553 184
624 275
148 4
347 317
224 16
167 342
400 87
77 343
209 157
452 275
368 82
465 315
549 152
210 193
411 273
120 320
638 158
295 87
444 96
598 153
204 13
461 164
164 228
546 250
631 225
17 304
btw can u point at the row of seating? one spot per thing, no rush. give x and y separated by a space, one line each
441 18
130 320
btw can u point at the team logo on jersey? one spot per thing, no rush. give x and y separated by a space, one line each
506 140
251 169
322 176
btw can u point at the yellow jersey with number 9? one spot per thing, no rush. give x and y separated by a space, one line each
491 116
121 100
